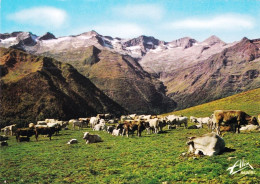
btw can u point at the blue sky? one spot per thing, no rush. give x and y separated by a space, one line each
167 20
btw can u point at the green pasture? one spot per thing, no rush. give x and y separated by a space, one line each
156 158
147 159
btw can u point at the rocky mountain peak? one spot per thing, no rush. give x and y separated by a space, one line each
212 40
91 33
47 36
146 41
9 35
185 42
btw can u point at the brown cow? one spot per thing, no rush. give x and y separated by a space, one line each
234 118
132 126
44 131
28 132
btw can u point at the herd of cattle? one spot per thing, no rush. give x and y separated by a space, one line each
208 144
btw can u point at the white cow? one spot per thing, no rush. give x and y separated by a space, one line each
250 128
117 132
204 120
9 129
209 144
99 127
91 138
75 123
93 121
182 120
154 124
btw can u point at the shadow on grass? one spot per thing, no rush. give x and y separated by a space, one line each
227 150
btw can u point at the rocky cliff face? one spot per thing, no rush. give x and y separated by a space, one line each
235 69
34 88
121 78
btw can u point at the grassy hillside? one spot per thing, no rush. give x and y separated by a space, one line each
150 159
247 101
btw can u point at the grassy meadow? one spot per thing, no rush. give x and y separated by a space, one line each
155 158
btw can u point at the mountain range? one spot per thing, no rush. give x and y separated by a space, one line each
147 75
35 88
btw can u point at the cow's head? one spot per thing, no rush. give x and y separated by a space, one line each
86 135
191 144
253 121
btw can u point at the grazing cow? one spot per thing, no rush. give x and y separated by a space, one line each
209 144
258 117
171 120
132 126
162 123
62 124
99 127
75 123
91 138
204 120
154 124
56 126
117 132
110 129
84 121
234 118
28 132
44 131
72 141
9 129
93 121
182 120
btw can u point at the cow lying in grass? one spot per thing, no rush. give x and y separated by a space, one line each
209 144
91 138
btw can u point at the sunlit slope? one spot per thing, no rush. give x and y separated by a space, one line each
247 101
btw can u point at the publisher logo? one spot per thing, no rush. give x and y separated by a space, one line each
243 166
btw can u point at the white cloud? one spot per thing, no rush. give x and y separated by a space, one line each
48 17
221 22
147 11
